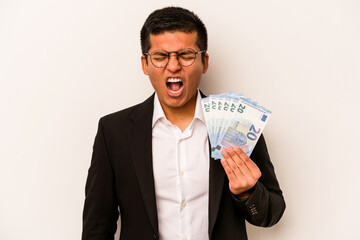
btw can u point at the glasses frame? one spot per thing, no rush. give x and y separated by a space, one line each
177 56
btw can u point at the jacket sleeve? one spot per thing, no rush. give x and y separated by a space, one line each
266 205
101 208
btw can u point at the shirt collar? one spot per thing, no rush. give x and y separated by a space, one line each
159 113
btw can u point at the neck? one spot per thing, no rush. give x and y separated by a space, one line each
181 116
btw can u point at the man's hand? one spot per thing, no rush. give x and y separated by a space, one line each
241 171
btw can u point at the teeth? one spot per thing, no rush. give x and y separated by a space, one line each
174 80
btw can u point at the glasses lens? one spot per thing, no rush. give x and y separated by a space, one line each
159 58
187 57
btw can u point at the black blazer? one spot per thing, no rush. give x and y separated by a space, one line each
121 177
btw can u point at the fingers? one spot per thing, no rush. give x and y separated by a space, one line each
237 159
254 171
242 172
230 167
241 160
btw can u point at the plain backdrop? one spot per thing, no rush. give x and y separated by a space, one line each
64 64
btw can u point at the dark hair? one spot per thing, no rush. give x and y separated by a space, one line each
171 19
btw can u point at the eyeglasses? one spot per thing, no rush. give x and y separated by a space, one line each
185 57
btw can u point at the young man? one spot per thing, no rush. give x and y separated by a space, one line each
152 162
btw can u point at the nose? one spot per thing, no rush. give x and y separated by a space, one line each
173 64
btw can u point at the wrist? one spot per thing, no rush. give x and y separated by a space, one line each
245 195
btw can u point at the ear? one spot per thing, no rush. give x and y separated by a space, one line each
144 65
205 63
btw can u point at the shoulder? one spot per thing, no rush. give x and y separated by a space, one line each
128 114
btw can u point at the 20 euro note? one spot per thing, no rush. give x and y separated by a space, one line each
216 111
232 119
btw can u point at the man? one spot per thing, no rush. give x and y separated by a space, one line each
151 161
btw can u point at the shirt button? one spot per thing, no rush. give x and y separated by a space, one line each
182 173
183 205
185 238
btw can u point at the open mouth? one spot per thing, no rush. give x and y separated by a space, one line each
174 85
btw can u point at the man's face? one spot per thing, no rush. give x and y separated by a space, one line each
175 85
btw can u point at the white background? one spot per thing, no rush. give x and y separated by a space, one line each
64 64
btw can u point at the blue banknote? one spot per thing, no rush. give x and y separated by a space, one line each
232 119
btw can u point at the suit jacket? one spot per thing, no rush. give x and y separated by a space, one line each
121 177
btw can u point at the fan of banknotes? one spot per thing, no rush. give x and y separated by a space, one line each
231 119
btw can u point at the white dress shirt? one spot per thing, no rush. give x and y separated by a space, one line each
181 175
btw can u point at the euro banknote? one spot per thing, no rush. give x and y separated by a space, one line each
232 119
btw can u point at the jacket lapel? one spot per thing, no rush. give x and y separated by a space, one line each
216 185
140 139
